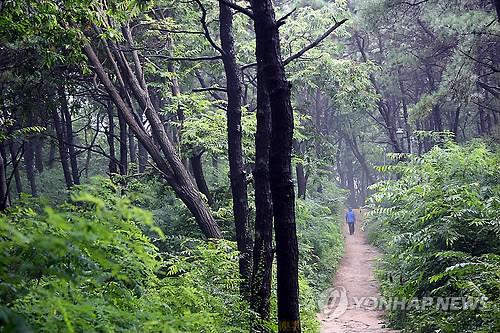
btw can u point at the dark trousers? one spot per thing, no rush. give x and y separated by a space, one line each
351 228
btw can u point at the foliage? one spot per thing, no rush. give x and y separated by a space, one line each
100 263
437 221
321 243
89 266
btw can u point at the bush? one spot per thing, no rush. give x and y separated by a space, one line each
88 266
437 222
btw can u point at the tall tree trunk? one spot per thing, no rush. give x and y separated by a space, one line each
52 154
353 143
350 183
385 111
15 155
280 166
262 251
63 151
38 147
132 145
301 181
110 135
197 165
237 173
165 157
456 123
123 145
143 158
299 167
436 109
69 135
29 156
142 152
405 115
4 189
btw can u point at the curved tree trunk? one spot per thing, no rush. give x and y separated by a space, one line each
166 159
199 177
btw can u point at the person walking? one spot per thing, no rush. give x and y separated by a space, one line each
350 219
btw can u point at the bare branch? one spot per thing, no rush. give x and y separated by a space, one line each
171 31
237 8
314 43
200 58
415 3
306 48
493 68
209 89
203 21
282 20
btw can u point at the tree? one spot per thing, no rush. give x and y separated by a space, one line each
235 151
268 56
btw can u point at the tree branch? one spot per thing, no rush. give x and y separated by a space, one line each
306 48
237 8
209 89
200 58
203 21
314 43
282 20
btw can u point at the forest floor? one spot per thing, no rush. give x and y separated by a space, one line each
349 309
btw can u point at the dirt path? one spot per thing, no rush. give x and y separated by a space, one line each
351 308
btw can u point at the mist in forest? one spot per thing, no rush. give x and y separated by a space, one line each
187 166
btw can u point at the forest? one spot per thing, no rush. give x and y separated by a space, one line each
185 166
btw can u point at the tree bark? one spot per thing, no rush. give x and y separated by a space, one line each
199 176
280 167
52 154
4 189
168 163
436 109
67 126
262 251
15 155
350 183
237 173
143 158
132 145
29 156
38 147
110 136
301 181
299 167
63 151
122 125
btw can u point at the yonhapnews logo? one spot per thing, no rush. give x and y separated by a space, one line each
333 302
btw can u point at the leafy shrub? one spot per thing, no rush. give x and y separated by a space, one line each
320 243
88 266
438 223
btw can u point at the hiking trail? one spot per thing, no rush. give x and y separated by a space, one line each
354 279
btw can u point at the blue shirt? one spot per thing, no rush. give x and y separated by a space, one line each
350 217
